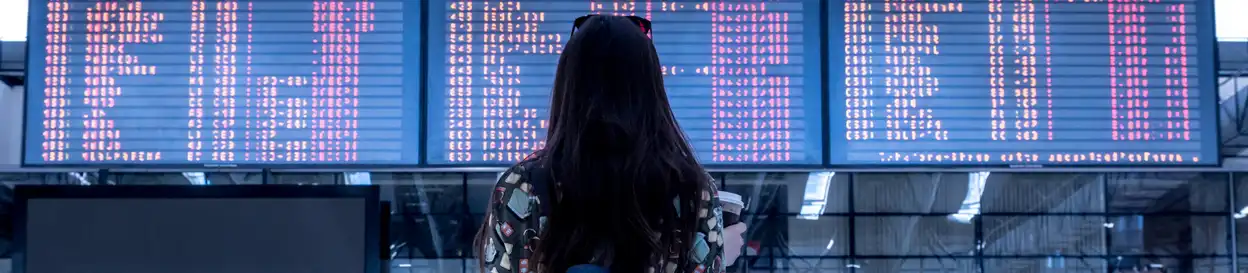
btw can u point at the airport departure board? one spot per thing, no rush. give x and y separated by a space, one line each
743 76
1022 82
222 83
372 83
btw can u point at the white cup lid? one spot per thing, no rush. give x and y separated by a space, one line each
731 198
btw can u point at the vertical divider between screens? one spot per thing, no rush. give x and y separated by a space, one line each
1215 64
422 86
825 89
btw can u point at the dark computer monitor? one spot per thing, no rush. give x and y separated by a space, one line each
197 229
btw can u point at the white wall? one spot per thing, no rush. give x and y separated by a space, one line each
11 126
1231 24
13 20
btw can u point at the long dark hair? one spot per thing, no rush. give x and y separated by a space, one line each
618 161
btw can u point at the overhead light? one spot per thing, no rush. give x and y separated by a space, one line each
815 196
196 178
962 218
1242 213
359 178
974 193
81 177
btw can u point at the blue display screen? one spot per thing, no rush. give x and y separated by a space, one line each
223 82
742 76
776 83
1022 82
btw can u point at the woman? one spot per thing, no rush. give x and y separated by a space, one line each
616 184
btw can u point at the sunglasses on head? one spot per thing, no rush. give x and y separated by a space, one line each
640 22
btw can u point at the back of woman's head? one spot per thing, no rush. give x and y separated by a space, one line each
617 156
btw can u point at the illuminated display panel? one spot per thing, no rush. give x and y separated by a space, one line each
743 76
223 82
1022 82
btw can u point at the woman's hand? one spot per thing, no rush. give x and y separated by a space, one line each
733 242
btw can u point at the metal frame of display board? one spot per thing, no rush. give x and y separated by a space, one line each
1206 39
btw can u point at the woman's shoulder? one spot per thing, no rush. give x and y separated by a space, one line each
525 177
520 171
711 178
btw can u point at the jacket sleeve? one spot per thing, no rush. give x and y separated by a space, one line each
710 236
514 222
708 241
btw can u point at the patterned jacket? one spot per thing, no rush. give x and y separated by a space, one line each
518 218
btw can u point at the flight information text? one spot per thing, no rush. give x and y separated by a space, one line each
221 82
1021 82
742 76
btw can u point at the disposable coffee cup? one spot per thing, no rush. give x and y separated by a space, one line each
732 205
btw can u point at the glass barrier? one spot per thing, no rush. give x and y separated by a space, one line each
848 222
